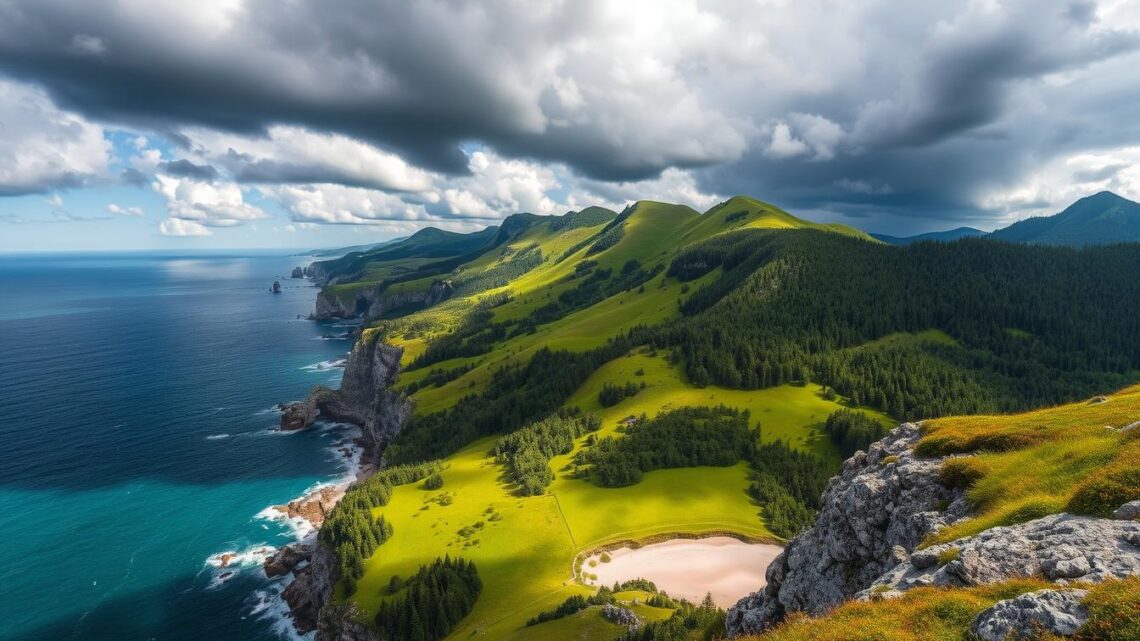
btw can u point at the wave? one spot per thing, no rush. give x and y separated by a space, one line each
230 563
217 437
268 605
325 366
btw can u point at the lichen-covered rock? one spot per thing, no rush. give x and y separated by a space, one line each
1059 547
1130 511
620 615
1027 616
879 508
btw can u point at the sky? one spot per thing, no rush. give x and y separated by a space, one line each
165 124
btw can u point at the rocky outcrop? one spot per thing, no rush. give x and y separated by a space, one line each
1026 617
275 287
364 398
1130 511
312 588
314 506
297 273
299 414
879 508
369 303
343 623
1059 547
621 616
864 545
286 559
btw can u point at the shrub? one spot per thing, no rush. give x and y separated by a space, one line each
1106 490
433 482
961 472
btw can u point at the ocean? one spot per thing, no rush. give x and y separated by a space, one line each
137 441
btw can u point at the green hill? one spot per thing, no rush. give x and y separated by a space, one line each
793 342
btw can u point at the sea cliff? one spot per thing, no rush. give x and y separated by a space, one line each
364 399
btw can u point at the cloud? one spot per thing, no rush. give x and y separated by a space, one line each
185 169
124 211
370 114
297 155
43 148
1065 180
181 227
205 204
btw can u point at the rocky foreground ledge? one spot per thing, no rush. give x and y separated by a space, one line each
886 501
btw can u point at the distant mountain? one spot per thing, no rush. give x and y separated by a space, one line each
938 236
1099 219
333 252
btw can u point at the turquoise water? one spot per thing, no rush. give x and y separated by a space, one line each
137 441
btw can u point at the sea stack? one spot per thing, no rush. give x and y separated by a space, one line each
276 289
297 272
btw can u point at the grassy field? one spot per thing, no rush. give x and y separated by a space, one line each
525 547
1024 466
790 413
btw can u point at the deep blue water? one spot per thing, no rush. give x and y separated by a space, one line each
136 440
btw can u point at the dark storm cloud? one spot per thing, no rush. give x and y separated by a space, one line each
912 109
185 169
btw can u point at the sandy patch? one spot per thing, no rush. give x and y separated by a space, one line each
727 568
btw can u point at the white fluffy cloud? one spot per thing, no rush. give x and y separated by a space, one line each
180 227
204 204
1065 180
42 147
289 154
945 109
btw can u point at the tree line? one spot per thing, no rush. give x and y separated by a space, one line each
612 394
1033 325
685 437
352 533
526 453
430 603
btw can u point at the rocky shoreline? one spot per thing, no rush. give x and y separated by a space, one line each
364 400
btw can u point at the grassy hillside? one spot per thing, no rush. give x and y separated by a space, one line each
635 318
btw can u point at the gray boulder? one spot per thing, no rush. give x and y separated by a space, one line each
880 507
1130 511
1059 547
620 616
1028 616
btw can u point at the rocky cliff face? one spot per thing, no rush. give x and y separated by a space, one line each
364 398
369 303
881 507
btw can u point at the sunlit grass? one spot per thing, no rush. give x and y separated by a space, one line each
1024 466
933 614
